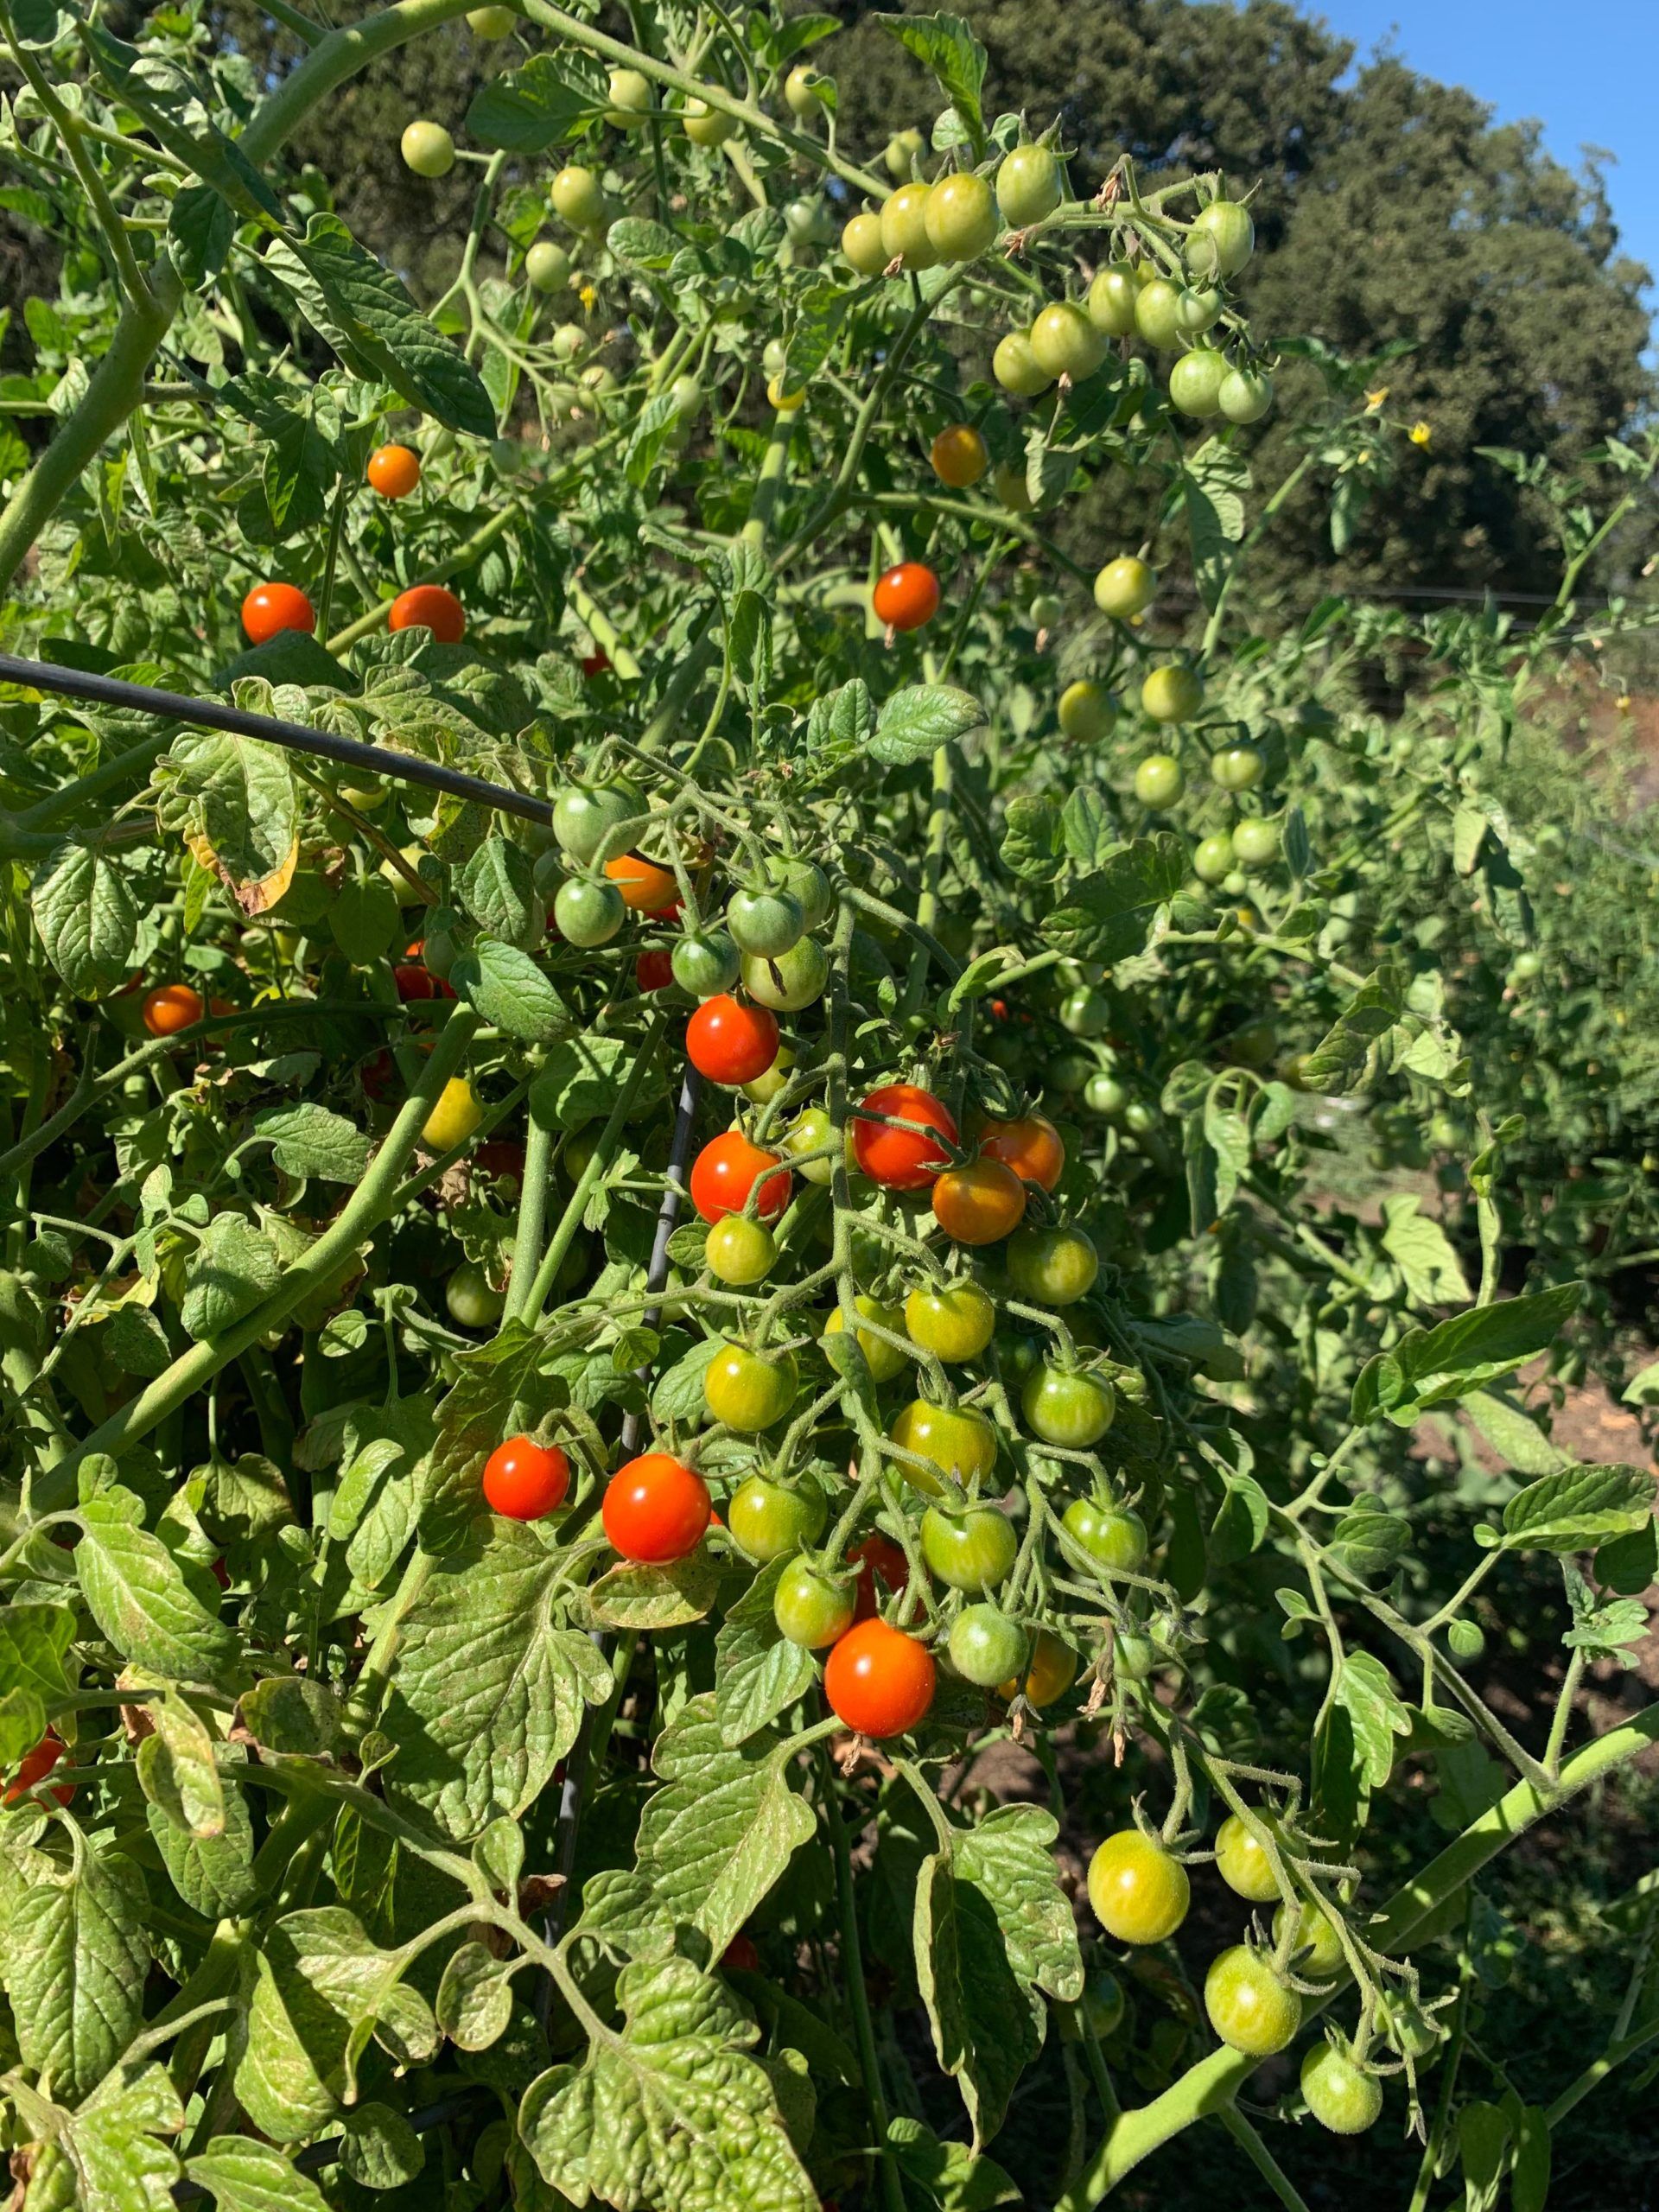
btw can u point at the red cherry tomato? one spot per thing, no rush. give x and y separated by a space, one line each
726 1171
878 1680
906 596
500 1156
656 1509
394 472
34 1766
524 1479
877 1555
270 608
900 1160
171 1007
413 982
429 606
741 1954
730 1042
595 663
654 970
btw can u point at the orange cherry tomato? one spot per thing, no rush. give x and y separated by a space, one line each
906 596
429 606
1031 1146
731 1042
878 1680
34 1766
654 970
656 1509
977 1204
726 1171
270 608
646 888
901 1159
959 455
524 1479
171 1007
394 471
877 1555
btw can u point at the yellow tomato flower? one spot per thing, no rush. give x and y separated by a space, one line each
1375 399
1420 434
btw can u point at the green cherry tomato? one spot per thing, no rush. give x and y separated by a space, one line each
1064 343
1071 1409
953 1321
1028 186
1195 381
903 227
706 126
586 913
765 923
862 244
747 1391
1111 1533
629 95
547 266
811 1132
883 1359
1317 1954
740 1251
1245 395
960 217
428 148
1243 1863
1255 842
806 881
1139 1118
767 1519
806 88
1103 2002
985 1647
1212 858
1172 694
1124 588
1104 1095
1110 303
1249 2008
1237 768
788 980
1341 2094
954 1443
1008 481
588 821
706 965
577 195
1133 1658
1221 240
1086 1012
1016 368
1158 783
1198 309
811 1607
973 1550
1053 1266
1140 1893
1158 314
472 1301
902 152
1087 711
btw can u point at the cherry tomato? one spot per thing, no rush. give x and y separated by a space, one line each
973 1550
980 1203
961 216
524 1479
630 97
1010 485
812 1607
1245 395
427 149
764 1087
1064 343
1110 301
270 608
393 471
415 981
645 888
1172 694
903 227
170 1007
429 606
1221 240
1050 1673
597 663
863 246
1195 381
1133 1658
1028 186
985 1647
1212 858
500 1156
959 455
740 1251
1016 368
548 266
747 1391
1125 587
1158 314
1318 1954
1066 1408
726 1171
457 1113
729 1042
1341 2094
1111 1533
1237 768
1103 2002
814 1132
1087 712
1031 1145
883 1359
793 980
741 1955
706 966
656 1509
1140 1893
878 1680
1255 842
577 195
1249 2008
901 1159
34 1767
1104 1095
767 1518
877 1556
1159 782
954 1321
589 816
1051 1266
654 968
767 924
473 1300
1243 1863
907 596
956 1443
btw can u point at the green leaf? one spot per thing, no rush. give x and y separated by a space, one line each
1213 485
380 2150
1366 1693
942 2176
842 721
136 1340
817 319
233 1267
235 801
945 45
245 2175
292 1713
1514 1435
509 990
489 1687
106 2157
178 1770
1108 915
137 1593
200 226
654 1598
87 919
76 1957
1429 1366
1578 1508
311 1139
993 1927
364 312
365 919
644 243
1339 1060
474 2000
1423 1253
213 1875
498 888
579 1081
1529 2164
34 1640
1033 839
670 2112
759 1673
913 723
1368 1539
722 1828
527 110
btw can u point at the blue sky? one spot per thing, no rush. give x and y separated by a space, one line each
1586 72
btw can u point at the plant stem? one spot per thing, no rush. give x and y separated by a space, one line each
858 1996
1261 2158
